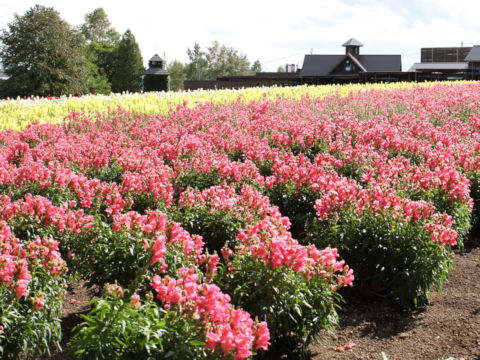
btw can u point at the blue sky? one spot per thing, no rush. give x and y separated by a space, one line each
279 32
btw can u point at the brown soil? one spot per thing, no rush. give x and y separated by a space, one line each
447 328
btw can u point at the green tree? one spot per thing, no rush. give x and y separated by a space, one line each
99 56
256 67
196 69
178 75
225 61
281 68
127 67
42 55
98 28
102 40
218 60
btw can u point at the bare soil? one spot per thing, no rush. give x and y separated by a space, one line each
447 328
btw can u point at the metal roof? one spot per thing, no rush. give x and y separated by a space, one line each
323 65
439 66
381 62
474 54
156 57
320 65
156 71
352 42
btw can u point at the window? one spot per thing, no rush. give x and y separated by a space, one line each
348 66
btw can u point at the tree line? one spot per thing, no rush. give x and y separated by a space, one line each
43 55
215 61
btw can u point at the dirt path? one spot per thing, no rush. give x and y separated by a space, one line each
448 328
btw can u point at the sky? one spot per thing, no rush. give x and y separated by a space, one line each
278 32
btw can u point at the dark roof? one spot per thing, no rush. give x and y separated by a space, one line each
352 42
474 54
439 66
323 65
357 62
156 58
320 65
156 71
381 62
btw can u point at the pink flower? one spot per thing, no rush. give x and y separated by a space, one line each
115 290
349 345
135 301
263 336
39 302
158 250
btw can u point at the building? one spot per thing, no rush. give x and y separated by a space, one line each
354 67
349 67
236 82
156 76
448 63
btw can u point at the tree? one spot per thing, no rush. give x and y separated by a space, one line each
127 65
177 75
281 68
256 67
98 28
218 60
99 56
102 40
197 68
42 55
225 61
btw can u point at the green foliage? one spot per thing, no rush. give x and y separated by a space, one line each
100 56
475 194
42 55
28 332
295 309
128 65
217 60
218 229
115 329
196 69
97 28
225 61
198 180
177 75
256 67
296 204
393 259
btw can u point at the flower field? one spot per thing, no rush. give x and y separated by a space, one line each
18 113
228 228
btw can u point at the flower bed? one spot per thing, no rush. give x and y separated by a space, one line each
228 227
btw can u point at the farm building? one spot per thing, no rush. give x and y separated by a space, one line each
349 67
156 76
354 67
448 63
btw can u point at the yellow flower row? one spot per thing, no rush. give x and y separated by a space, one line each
18 113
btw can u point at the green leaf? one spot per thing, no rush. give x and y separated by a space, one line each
195 342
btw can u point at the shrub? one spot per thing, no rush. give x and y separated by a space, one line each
393 258
291 287
32 285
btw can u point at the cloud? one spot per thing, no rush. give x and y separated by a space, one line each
270 30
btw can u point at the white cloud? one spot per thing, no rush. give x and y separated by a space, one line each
277 32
